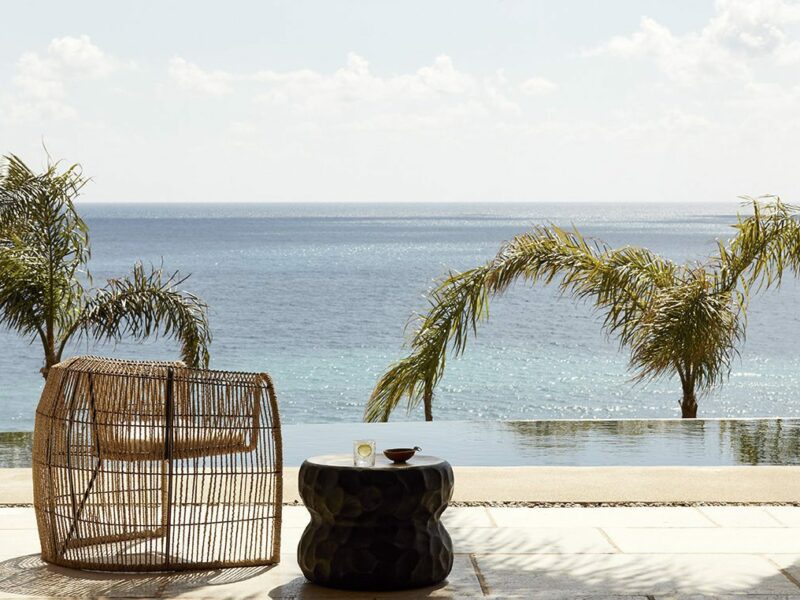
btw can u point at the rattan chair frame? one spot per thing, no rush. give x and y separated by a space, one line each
152 466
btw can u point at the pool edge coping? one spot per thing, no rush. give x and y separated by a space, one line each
537 485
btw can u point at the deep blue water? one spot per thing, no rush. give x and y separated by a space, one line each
318 295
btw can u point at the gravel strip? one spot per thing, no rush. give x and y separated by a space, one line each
533 504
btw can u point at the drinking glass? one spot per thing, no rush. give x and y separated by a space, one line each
364 453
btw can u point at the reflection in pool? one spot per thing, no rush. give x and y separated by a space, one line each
698 442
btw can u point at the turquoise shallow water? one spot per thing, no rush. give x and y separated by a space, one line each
319 294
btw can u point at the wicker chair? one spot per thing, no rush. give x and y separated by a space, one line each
151 466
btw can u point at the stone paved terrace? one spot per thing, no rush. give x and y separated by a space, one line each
502 552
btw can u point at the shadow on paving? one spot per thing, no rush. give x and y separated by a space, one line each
530 576
540 576
30 576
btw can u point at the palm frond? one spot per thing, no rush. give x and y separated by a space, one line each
23 192
766 244
691 330
617 282
144 304
43 246
21 295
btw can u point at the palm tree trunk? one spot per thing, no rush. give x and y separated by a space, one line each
689 401
427 399
689 406
46 368
50 357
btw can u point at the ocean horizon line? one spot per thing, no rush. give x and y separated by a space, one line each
739 202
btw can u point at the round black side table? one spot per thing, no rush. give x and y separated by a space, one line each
375 528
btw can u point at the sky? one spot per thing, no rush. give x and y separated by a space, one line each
413 101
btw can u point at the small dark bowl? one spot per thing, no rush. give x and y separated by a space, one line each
400 455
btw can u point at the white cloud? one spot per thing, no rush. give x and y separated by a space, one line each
79 58
739 33
499 93
191 77
41 79
242 129
537 86
354 97
755 27
443 77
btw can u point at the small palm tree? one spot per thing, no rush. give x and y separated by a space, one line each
683 320
45 287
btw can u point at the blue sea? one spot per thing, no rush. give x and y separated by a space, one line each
319 294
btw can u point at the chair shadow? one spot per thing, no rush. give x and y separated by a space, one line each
30 576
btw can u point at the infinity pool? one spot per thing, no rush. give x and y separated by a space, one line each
701 442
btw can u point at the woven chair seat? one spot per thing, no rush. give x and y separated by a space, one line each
143 441
152 466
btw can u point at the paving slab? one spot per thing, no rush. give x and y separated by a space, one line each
740 516
600 516
551 540
789 565
788 515
461 516
295 517
542 576
15 543
290 537
17 518
467 516
728 540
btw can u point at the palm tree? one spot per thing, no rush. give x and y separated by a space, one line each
45 287
683 320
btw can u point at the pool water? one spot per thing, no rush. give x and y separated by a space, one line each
662 442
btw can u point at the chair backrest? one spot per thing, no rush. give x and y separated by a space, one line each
157 410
